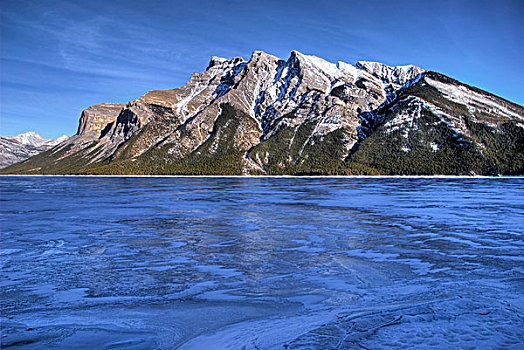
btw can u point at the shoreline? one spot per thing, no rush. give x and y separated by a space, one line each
283 176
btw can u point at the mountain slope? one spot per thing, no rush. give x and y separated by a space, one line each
441 126
20 147
302 115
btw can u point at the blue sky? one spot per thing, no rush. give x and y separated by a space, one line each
59 57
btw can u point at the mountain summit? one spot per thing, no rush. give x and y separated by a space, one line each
17 148
303 115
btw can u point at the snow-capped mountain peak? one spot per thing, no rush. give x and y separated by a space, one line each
30 138
397 75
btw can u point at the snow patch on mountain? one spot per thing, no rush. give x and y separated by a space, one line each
397 75
474 101
412 108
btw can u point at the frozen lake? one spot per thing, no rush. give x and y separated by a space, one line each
262 263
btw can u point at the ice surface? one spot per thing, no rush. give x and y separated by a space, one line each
262 263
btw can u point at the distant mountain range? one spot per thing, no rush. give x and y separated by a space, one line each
20 147
302 115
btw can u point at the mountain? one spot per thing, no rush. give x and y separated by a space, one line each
302 115
20 147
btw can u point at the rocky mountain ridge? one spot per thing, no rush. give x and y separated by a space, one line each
302 115
23 146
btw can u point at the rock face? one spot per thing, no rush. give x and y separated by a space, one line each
302 115
20 147
95 119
